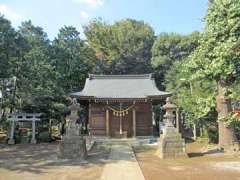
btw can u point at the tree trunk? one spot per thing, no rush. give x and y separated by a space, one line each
194 132
227 138
50 127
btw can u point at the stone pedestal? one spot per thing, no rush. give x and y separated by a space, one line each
73 148
33 140
171 144
11 141
73 145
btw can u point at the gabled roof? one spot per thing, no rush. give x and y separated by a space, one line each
120 87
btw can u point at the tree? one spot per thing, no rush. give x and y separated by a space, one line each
169 48
35 75
7 46
11 46
215 60
123 47
72 58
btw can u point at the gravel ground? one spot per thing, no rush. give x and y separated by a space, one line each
38 162
199 166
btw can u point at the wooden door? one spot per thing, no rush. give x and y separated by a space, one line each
114 122
127 123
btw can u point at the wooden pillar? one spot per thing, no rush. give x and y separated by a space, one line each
107 122
120 130
134 122
89 119
33 140
153 125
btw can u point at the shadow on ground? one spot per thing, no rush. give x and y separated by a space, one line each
209 152
40 157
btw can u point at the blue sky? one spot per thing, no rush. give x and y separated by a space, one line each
180 16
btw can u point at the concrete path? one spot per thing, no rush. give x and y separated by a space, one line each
123 164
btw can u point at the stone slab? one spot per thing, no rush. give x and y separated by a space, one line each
123 164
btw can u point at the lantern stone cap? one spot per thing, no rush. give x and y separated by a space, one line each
169 105
75 105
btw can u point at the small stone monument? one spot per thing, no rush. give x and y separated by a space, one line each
171 144
73 145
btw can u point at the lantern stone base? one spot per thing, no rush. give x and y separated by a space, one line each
11 141
171 144
33 141
73 147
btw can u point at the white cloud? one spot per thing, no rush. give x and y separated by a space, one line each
84 15
91 3
9 14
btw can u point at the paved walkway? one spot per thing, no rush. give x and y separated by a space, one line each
123 164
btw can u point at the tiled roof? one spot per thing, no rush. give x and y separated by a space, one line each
120 87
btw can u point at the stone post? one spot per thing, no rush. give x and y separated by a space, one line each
171 144
12 140
33 140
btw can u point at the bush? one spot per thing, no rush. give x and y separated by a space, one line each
213 135
44 137
17 136
237 129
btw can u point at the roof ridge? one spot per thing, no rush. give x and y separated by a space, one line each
121 76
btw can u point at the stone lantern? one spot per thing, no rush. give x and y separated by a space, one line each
73 145
171 144
72 128
169 116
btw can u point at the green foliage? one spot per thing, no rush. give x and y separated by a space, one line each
213 135
167 52
169 55
172 47
235 91
232 118
123 47
72 58
237 128
37 75
198 105
7 46
214 58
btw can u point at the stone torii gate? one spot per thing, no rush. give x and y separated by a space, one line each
26 117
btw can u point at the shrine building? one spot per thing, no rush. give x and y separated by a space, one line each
120 105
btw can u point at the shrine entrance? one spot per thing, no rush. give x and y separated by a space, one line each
121 126
121 121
